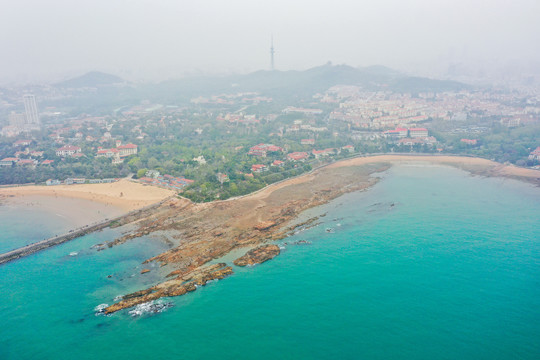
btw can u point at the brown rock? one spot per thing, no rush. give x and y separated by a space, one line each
175 287
144 271
265 225
258 255
137 294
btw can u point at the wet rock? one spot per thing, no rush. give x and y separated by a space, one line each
137 294
176 287
144 271
258 255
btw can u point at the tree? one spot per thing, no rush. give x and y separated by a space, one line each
141 173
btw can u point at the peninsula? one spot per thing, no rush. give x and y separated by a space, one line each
208 231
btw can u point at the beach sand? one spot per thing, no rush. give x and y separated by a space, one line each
68 212
124 194
476 166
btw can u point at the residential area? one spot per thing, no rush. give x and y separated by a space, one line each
231 143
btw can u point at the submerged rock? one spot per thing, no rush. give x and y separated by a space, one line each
144 271
258 255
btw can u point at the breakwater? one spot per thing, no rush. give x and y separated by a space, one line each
72 234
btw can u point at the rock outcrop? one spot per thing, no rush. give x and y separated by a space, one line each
181 285
202 233
265 225
258 255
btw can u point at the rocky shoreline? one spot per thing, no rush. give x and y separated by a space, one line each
179 286
206 232
209 231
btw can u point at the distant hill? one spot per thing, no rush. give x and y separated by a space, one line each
281 85
305 83
91 79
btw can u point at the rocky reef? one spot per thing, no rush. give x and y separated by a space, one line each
258 255
178 286
203 233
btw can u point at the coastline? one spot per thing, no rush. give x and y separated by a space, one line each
474 165
205 232
128 195
210 231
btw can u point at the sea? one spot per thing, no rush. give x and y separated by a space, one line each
430 263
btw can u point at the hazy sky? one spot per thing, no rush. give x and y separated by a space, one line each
139 39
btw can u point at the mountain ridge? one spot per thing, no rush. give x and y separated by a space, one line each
90 79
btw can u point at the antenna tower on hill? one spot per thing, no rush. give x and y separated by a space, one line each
272 53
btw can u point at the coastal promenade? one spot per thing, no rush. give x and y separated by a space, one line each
72 234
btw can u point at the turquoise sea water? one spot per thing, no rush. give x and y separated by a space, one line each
430 263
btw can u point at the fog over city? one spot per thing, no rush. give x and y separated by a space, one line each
149 40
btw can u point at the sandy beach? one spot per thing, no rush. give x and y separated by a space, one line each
124 194
477 166
128 195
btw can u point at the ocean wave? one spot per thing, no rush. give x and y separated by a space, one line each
151 307
100 309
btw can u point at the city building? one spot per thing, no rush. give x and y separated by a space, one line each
128 149
263 149
257 168
418 132
535 155
8 161
68 150
31 110
298 156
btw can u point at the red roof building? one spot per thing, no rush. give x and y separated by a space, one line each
128 149
397 133
68 150
9 161
298 156
410 141
108 153
418 132
257 168
469 141
263 149
325 152
535 155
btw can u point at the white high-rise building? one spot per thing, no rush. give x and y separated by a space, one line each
31 110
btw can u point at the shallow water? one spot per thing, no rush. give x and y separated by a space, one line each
28 219
429 263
